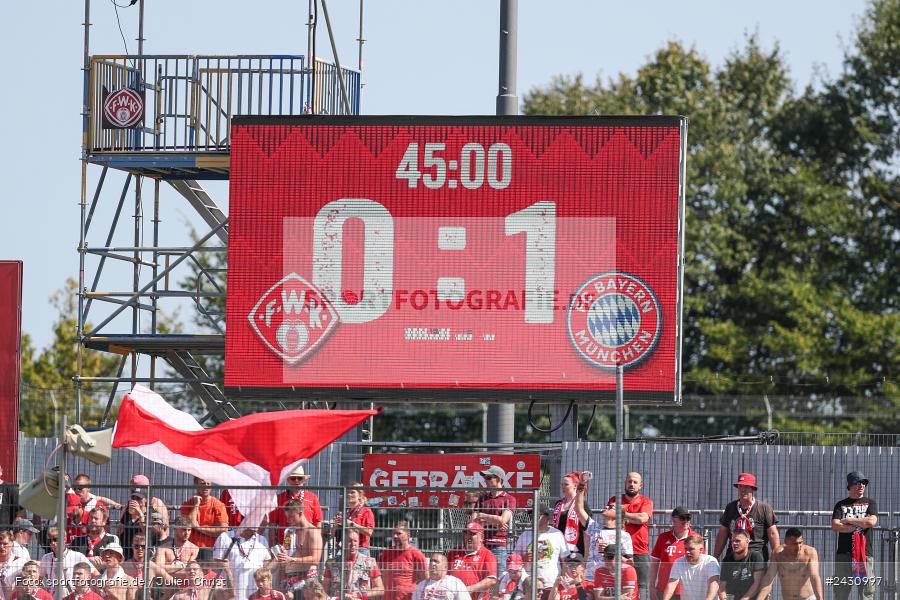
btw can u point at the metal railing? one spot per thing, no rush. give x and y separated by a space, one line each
189 100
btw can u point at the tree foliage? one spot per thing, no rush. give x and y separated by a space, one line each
47 375
791 278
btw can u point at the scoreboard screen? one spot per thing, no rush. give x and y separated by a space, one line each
459 258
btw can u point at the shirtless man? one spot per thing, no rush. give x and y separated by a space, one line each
195 585
297 559
114 583
183 551
797 567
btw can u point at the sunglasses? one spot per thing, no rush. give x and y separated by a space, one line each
79 488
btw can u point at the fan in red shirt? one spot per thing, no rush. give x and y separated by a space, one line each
402 565
636 512
474 564
358 517
81 578
605 578
571 584
277 519
264 591
669 547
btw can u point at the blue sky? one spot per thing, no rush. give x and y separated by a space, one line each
420 57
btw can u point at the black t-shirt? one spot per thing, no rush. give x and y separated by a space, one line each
855 508
561 524
738 574
757 523
9 503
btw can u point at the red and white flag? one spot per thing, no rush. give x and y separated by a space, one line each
256 450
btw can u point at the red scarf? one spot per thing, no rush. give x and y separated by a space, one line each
744 522
571 530
858 554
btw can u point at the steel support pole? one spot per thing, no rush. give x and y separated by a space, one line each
501 423
620 441
82 242
60 589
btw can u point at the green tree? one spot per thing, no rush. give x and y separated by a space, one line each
47 375
791 275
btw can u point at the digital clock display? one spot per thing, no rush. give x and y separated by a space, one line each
460 258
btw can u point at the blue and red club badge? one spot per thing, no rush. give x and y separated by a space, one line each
614 319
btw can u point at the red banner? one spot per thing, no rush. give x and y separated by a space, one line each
455 257
442 472
10 347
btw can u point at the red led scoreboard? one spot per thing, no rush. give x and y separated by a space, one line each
466 258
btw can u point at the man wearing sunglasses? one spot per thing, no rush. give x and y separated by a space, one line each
853 519
208 518
296 480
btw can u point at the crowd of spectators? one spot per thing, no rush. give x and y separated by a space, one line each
204 550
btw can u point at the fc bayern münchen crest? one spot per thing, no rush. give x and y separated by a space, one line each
613 320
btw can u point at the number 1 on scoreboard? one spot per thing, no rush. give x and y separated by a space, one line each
538 221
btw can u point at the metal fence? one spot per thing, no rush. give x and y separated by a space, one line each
189 100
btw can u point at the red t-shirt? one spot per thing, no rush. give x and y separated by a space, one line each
311 509
401 570
472 568
211 513
234 515
640 534
40 594
605 580
88 595
667 550
364 517
571 592
272 595
495 505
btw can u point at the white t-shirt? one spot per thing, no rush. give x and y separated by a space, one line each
594 533
10 570
507 590
446 588
244 558
21 551
49 564
551 544
694 578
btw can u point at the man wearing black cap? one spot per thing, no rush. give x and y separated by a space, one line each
571 585
853 519
605 577
669 547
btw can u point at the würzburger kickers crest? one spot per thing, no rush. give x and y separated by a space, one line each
614 319
123 108
293 318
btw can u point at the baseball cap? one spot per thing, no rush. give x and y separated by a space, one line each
574 557
157 518
494 471
547 510
514 562
140 480
139 492
681 512
24 525
610 550
746 479
855 477
474 527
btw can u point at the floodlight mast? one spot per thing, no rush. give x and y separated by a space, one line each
501 426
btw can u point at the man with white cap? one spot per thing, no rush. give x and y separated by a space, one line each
296 479
494 510
114 583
